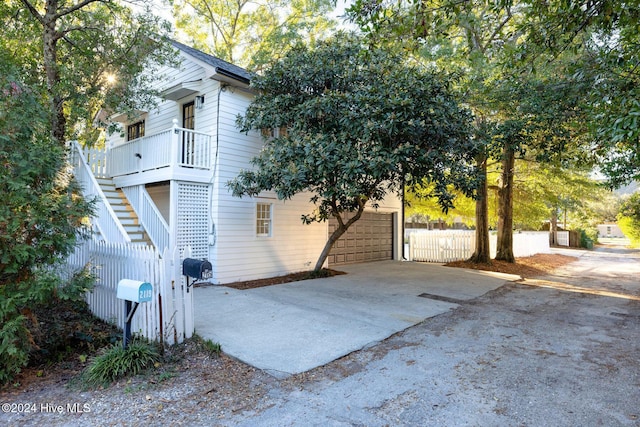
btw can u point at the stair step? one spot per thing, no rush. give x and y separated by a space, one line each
129 221
123 210
117 201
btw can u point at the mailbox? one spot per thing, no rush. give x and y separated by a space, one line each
134 290
197 269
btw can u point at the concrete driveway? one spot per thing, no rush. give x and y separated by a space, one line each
291 328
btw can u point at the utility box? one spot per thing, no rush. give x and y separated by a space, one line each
134 291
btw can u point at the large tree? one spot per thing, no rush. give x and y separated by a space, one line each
75 50
251 33
57 58
360 123
603 37
484 40
40 215
466 37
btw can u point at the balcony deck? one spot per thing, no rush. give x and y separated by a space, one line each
173 154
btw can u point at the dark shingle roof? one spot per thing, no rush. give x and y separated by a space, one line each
221 66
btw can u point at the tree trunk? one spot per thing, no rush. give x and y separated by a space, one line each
553 227
342 228
50 51
504 250
482 250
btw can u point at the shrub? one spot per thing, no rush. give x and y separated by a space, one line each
629 218
116 363
14 339
40 215
63 326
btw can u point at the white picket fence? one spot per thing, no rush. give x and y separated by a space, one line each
168 317
455 245
440 246
562 238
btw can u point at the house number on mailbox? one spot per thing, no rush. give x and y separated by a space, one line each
146 295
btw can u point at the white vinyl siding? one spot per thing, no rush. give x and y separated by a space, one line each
239 255
221 226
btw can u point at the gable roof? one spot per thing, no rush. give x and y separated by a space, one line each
221 67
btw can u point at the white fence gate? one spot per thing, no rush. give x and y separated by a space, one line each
457 245
168 317
562 238
441 246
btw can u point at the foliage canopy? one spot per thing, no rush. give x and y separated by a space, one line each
360 122
629 218
40 217
84 56
251 33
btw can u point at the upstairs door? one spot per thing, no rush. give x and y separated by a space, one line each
188 138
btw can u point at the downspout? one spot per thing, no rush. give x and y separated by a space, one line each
212 231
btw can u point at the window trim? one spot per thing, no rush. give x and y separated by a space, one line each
261 221
139 127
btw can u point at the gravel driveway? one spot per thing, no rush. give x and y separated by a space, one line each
560 350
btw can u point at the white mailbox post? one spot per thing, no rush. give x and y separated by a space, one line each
133 292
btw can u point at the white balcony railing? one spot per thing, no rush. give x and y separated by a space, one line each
175 147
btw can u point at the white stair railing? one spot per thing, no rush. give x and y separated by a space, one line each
105 219
149 216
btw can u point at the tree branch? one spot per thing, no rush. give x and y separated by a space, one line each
498 29
33 11
77 6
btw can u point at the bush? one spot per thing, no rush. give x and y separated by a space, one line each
63 327
587 237
41 215
629 218
116 363
14 340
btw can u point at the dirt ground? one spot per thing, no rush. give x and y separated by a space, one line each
557 348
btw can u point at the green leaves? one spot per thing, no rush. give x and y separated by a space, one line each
40 215
252 33
629 218
86 44
356 117
360 122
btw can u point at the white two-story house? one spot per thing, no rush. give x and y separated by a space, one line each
163 178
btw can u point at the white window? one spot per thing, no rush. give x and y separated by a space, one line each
268 133
263 219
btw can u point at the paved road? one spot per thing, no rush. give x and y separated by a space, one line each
559 351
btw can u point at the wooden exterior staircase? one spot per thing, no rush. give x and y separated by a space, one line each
125 213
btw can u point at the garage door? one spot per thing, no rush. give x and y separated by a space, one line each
369 239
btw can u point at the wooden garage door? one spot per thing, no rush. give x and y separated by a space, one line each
369 239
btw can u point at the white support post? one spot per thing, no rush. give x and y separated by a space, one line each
173 213
175 144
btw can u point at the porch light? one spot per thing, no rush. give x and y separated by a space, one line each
199 102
